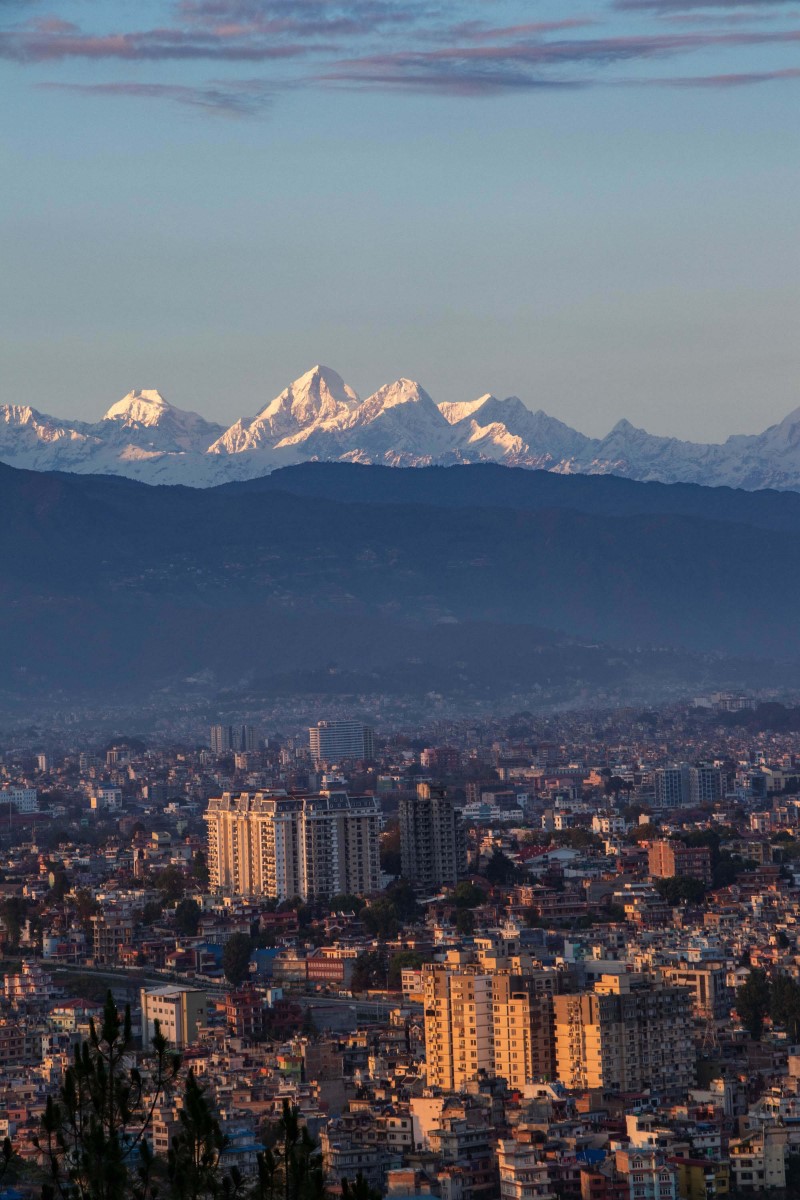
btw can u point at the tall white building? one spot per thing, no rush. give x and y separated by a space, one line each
338 741
24 800
273 844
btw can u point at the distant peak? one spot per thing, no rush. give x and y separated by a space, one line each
402 391
137 402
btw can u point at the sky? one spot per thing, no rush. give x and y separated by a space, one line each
592 205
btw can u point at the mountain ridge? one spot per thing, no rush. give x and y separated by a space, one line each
319 417
480 577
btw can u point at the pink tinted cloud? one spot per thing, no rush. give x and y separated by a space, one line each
35 44
232 98
529 62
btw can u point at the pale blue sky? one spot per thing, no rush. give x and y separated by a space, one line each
209 196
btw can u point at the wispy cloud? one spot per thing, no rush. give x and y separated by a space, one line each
449 47
530 63
241 98
44 42
682 6
735 79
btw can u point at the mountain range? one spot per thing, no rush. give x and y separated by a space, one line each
320 418
476 580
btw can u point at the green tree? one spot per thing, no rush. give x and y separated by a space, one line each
500 869
346 903
200 871
401 894
171 882
93 1133
193 1159
784 1005
370 970
187 916
380 919
467 895
151 911
405 958
359 1189
290 1167
465 922
753 1002
236 958
681 888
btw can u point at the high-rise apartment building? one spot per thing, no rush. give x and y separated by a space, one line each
483 1020
225 738
341 741
672 786
705 784
433 846
681 786
273 844
628 1035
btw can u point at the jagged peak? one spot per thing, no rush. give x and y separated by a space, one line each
392 395
460 410
141 405
311 395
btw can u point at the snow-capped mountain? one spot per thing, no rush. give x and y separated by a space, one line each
320 417
146 420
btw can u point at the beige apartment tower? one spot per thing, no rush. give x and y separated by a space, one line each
273 844
484 1021
630 1034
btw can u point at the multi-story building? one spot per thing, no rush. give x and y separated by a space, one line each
110 931
649 1175
682 785
629 1034
524 1047
705 784
340 741
672 786
667 859
523 1173
24 800
225 738
711 996
478 1020
432 839
758 1160
180 1011
273 844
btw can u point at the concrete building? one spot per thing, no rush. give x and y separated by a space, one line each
24 800
432 839
758 1161
667 859
672 786
630 1034
712 998
523 1173
226 738
478 1020
340 741
272 844
180 1011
